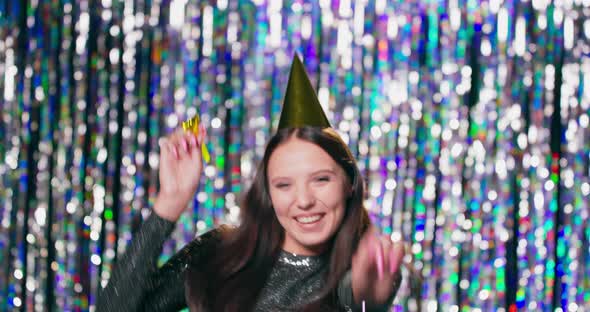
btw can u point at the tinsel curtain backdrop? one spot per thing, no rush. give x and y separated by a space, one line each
469 120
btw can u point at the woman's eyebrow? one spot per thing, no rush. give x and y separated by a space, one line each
328 170
274 179
319 171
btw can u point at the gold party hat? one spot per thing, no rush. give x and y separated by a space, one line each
301 106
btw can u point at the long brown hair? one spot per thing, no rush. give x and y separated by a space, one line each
234 272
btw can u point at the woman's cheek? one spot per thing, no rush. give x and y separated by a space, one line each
333 193
280 203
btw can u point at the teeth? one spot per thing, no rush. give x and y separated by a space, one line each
309 219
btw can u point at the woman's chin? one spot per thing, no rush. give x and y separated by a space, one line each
309 238
311 244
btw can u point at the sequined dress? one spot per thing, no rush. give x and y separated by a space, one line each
137 284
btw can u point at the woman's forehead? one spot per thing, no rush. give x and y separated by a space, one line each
297 156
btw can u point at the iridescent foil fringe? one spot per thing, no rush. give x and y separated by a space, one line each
469 120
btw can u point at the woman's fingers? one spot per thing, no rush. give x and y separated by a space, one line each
396 257
202 134
193 141
182 143
388 255
174 150
376 270
167 148
379 258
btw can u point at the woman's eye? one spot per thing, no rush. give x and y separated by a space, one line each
323 179
282 185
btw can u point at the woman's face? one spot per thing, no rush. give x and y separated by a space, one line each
308 190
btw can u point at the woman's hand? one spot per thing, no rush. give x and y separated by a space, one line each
376 273
180 171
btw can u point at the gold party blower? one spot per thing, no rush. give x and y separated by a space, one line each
192 125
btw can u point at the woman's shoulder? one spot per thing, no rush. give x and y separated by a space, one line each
209 239
213 236
201 246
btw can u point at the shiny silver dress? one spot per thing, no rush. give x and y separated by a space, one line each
137 284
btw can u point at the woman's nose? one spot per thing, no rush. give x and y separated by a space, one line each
305 198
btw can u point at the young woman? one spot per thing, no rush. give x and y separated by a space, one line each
304 242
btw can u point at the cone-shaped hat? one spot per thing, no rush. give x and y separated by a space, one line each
301 106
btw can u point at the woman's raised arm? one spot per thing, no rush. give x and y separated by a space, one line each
136 282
